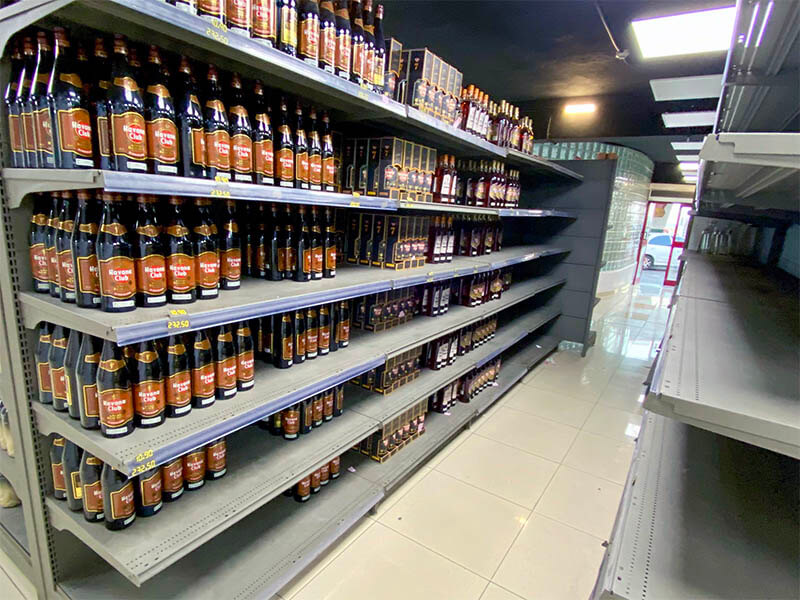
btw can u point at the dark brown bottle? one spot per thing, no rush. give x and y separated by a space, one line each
225 360
119 499
328 160
230 249
302 490
237 15
66 272
50 245
247 233
128 133
315 481
177 378
328 402
263 138
306 415
369 45
218 139
206 253
284 157
181 280
358 61
344 39
343 325
12 109
115 260
114 392
283 350
290 422
70 463
87 366
148 255
263 329
325 474
23 103
84 251
43 363
245 357
287 255
148 490
335 467
334 312
378 79
241 133
201 361
308 49
89 472
274 248
317 248
259 242
301 161
264 24
300 336
149 394
71 358
194 469
327 36
314 152
161 126
37 246
211 10
302 247
328 243
324 335
190 122
56 357
172 480
57 468
338 403
317 410
99 107
287 26
70 115
312 333
39 103
216 459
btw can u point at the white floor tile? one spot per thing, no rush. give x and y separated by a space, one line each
500 470
445 452
395 496
582 501
548 404
384 564
586 384
495 592
465 524
613 423
600 456
622 400
551 560
544 438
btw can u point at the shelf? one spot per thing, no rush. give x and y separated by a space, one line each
260 467
703 516
534 212
729 365
257 298
540 167
447 138
254 558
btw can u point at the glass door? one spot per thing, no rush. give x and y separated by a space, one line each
678 244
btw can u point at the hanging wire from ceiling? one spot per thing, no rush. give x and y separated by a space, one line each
620 54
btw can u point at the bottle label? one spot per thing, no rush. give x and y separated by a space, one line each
29 137
300 344
378 71
330 258
290 421
343 51
301 163
15 133
246 365
304 487
316 259
117 278
358 59
122 502
287 348
263 25
315 169
328 171
369 63
307 261
128 135
203 381
226 373
59 482
75 131
289 26
103 136
116 407
179 389
44 376
335 465
285 164
264 158
180 272
231 264
216 454
38 257
327 53
199 156
162 140
207 267
282 256
194 466
218 150
88 276
309 37
328 404
324 336
93 497
242 146
44 131
151 274
89 397
148 397
344 331
312 340
237 13
58 380
150 489
172 476
210 7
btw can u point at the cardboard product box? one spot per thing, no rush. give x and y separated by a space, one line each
360 165
419 66
430 174
348 167
365 242
406 183
389 166
392 241
442 91
354 237
338 148
358 317
373 161
433 88
394 50
379 240
453 96
368 303
416 170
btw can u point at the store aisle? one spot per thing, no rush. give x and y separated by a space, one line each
519 506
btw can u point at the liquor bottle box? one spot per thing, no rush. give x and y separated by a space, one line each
394 50
418 72
395 435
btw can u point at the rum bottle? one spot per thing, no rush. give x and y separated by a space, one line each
283 350
57 468
177 378
126 107
302 248
369 46
328 160
181 279
89 473
263 139
344 39
216 459
218 140
71 357
210 10
206 253
115 396
193 151
284 158
172 480
148 488
245 357
66 271
149 393
194 469
160 120
316 243
12 108
327 36
71 463
241 133
263 23
37 246
309 31
118 499
39 103
314 152
287 245
290 422
43 363
50 245
274 246
86 381
287 26
115 260
225 360
148 255
300 336
329 245
379 69
84 251
201 361
237 15
358 61
301 163
230 251
56 357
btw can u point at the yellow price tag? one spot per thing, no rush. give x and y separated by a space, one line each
221 193
142 456
178 324
176 312
142 468
219 25
222 39
354 203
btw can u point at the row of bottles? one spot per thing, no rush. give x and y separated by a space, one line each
443 352
481 288
476 183
465 388
116 389
315 481
340 37
477 235
121 256
88 485
496 123
68 111
303 417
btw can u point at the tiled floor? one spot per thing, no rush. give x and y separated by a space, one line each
518 507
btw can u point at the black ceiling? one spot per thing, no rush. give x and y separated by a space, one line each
540 53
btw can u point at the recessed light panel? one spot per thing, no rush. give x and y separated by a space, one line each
688 166
686 88
579 109
687 33
688 157
700 118
687 145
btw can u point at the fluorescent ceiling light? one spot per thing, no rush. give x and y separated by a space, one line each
688 157
579 109
764 24
700 118
692 179
686 88
686 33
687 145
689 166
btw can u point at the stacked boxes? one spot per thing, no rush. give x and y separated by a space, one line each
389 167
430 84
401 430
465 388
394 67
387 241
394 373
377 312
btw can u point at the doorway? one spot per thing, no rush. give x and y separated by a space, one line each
661 242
